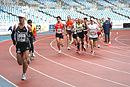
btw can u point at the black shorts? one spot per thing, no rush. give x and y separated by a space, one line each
59 35
94 39
22 47
80 35
69 32
85 32
99 34
75 36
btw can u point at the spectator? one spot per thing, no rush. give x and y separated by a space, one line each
107 26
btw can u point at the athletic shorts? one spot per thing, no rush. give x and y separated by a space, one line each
22 47
99 34
59 35
68 32
80 35
75 36
85 32
94 39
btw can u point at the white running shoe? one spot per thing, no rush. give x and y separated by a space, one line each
68 48
28 60
29 55
92 53
33 55
59 51
98 46
23 76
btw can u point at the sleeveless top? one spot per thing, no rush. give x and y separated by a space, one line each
85 27
22 35
78 28
59 28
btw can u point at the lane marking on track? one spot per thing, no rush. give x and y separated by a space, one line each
115 46
42 72
107 58
128 46
90 62
81 71
8 81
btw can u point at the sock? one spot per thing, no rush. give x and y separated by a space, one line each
78 46
83 44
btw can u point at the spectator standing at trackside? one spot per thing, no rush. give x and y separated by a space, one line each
107 26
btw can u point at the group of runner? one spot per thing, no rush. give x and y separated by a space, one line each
79 31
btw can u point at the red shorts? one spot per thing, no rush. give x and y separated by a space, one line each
99 32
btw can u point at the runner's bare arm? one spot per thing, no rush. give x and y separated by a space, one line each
64 27
12 35
72 27
54 28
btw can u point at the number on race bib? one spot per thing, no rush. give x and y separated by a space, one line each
21 37
59 30
79 30
69 28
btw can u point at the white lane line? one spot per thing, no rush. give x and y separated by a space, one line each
106 57
41 72
89 61
121 42
115 53
115 46
8 81
118 83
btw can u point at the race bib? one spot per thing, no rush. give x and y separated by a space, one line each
92 33
59 30
69 28
79 30
21 37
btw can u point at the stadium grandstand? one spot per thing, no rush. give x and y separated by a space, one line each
43 13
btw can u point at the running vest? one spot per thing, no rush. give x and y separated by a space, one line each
59 28
32 30
85 27
68 24
22 35
78 28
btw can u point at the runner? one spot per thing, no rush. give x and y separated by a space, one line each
59 32
68 30
80 36
99 32
22 31
92 30
31 39
74 31
85 27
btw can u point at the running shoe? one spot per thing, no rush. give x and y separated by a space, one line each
62 45
28 60
68 48
59 52
98 46
78 51
23 76
92 53
84 49
33 55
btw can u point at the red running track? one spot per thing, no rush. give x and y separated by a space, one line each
109 67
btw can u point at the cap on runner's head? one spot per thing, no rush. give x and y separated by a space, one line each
91 19
29 21
21 15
